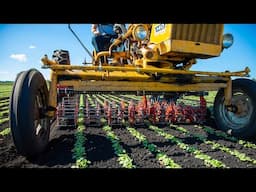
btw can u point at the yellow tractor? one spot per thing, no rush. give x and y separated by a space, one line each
156 60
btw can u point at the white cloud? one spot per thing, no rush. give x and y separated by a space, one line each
19 57
32 47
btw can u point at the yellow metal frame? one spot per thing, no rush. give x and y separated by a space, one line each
101 86
111 78
142 75
167 44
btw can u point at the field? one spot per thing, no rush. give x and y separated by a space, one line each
149 146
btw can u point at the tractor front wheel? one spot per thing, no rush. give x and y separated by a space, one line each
241 121
28 121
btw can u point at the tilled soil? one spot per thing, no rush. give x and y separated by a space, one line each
99 149
229 160
100 152
183 158
142 157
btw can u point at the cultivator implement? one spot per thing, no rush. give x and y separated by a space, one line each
117 110
67 111
166 112
92 112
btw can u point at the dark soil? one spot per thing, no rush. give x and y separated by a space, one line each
57 155
4 125
99 149
226 158
142 157
183 158
100 153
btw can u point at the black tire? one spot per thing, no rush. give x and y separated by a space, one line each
30 128
208 115
241 123
61 57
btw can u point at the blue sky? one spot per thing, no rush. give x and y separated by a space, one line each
23 45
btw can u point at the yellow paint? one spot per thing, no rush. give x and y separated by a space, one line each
94 69
172 39
139 86
53 93
167 45
160 33
228 93
195 48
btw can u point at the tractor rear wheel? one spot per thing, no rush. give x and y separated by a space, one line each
241 122
28 104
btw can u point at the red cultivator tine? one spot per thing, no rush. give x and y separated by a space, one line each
131 112
156 111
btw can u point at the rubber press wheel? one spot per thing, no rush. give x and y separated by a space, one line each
29 125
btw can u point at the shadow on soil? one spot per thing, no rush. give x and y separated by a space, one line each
98 148
58 152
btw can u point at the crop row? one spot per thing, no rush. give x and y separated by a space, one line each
209 161
79 152
124 156
4 115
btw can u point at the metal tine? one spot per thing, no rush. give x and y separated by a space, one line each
67 111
